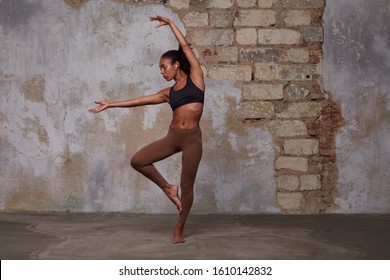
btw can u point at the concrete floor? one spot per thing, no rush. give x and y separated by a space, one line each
132 236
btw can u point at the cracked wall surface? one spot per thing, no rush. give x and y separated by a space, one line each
55 61
356 72
295 120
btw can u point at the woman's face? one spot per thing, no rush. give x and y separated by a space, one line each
167 69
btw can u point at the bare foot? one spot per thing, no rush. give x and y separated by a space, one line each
172 192
178 235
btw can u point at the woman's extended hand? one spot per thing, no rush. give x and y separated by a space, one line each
163 21
102 106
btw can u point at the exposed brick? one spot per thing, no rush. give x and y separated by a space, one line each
329 182
279 37
297 17
207 4
255 18
221 18
266 3
262 55
298 55
268 72
301 110
331 120
281 41
200 3
310 182
221 4
293 163
262 91
179 4
287 128
211 37
315 52
297 92
291 201
313 34
314 59
227 54
317 95
300 147
317 17
246 36
231 72
287 182
297 72
315 164
303 4
314 128
209 56
255 110
196 19
246 3
315 48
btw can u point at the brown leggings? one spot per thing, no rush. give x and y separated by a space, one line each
188 141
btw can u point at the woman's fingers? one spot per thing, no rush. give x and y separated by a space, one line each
94 110
98 109
162 20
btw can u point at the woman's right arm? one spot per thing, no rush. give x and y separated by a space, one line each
196 70
157 98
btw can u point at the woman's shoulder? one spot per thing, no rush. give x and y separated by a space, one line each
164 92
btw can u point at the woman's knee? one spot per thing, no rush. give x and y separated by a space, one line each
135 162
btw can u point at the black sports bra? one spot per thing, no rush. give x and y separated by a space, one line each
190 93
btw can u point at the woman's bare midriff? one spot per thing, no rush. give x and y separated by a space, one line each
187 116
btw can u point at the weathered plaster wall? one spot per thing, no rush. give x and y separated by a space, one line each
356 73
274 139
55 156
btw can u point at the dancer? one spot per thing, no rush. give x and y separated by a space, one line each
186 98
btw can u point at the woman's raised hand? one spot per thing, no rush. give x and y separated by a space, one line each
163 21
102 106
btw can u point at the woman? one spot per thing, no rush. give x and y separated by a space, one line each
186 98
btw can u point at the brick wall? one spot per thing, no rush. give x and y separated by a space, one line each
273 50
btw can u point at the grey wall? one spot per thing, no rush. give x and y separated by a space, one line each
55 61
357 74
54 155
